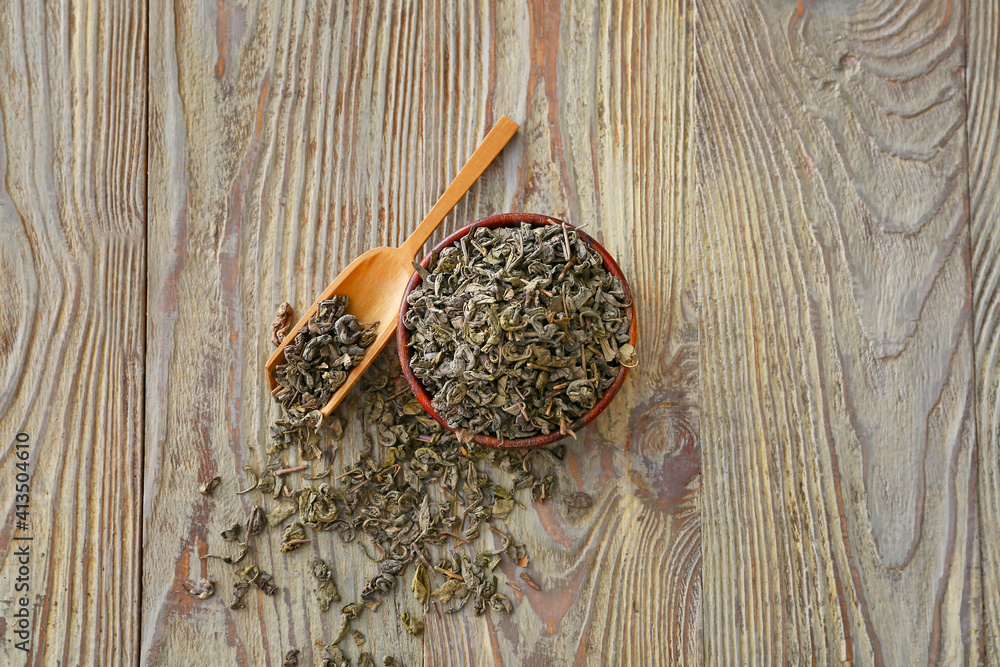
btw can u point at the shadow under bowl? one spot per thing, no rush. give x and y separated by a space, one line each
403 334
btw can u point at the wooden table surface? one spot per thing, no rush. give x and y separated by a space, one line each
804 468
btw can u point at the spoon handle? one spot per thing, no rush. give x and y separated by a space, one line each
488 149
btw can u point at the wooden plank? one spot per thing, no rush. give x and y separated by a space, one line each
839 473
72 266
983 85
287 138
620 582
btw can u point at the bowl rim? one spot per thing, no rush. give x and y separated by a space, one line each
403 334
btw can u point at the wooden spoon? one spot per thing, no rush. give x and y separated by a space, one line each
375 281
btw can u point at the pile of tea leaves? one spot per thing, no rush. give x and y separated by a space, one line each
316 364
517 331
428 511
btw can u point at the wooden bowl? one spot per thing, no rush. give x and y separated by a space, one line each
403 334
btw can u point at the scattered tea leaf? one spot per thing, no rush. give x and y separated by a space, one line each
541 490
380 584
348 613
293 536
204 590
244 548
352 610
209 486
232 534
240 588
531 582
391 566
327 592
336 658
253 485
500 602
266 481
421 584
413 625
444 592
291 658
281 511
255 521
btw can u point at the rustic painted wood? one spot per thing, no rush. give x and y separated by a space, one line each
287 138
813 311
839 501
983 83
72 270
621 581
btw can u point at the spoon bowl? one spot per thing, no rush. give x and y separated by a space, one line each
374 282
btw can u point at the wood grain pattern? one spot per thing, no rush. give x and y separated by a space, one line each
287 138
72 267
983 84
839 516
621 581
804 196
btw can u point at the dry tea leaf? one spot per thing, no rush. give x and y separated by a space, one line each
380 584
500 602
413 625
266 481
258 578
352 610
579 500
421 584
389 661
293 536
291 658
232 534
541 490
231 560
282 323
359 637
254 485
265 582
210 485
366 660
204 590
336 659
327 592
464 435
391 566
627 356
255 521
531 582
444 592
284 509
348 613
240 589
